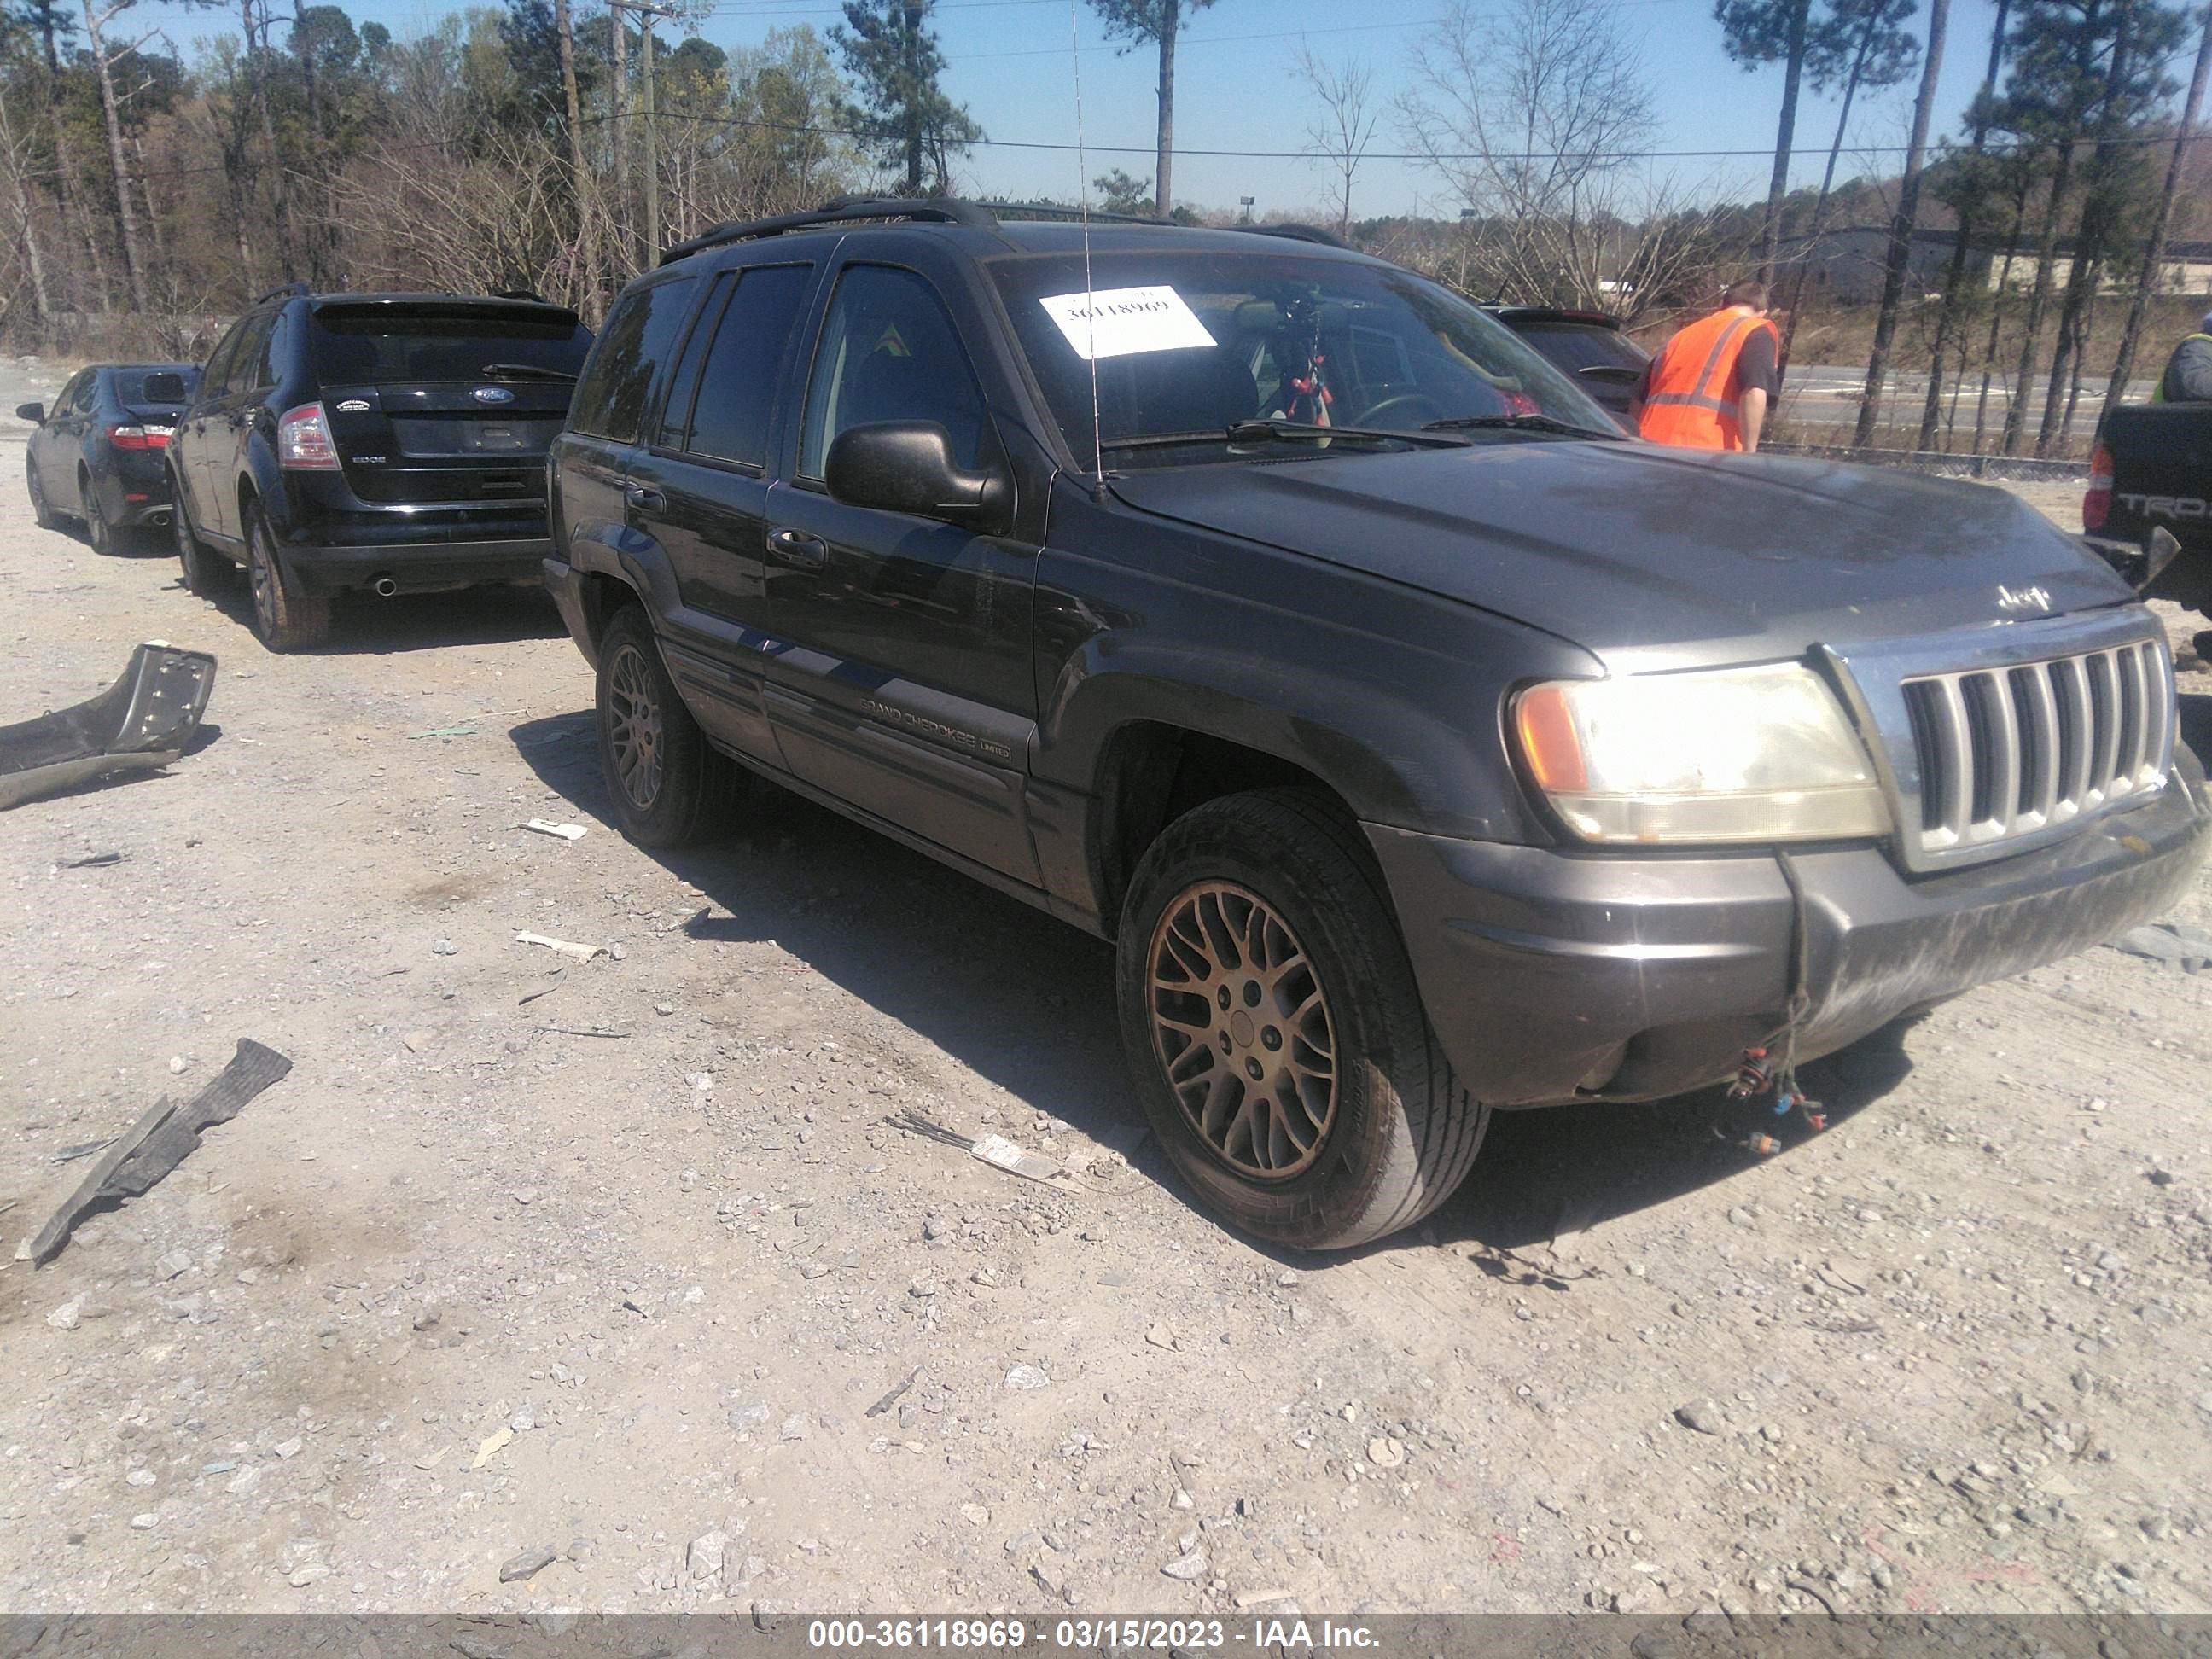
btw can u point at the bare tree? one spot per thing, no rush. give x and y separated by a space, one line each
17 150
1532 117
106 56
1900 229
1341 122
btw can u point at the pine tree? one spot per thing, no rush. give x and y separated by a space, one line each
902 116
1160 22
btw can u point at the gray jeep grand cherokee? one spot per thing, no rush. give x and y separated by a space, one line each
1426 747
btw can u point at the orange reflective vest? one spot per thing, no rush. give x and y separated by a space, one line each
1688 402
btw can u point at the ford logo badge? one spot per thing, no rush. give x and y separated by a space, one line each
492 394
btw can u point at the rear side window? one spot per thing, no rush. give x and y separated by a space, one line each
736 390
246 358
385 345
611 398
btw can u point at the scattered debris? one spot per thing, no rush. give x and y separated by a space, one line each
90 861
162 1138
547 827
566 947
1705 1416
492 1445
527 1564
1385 1452
584 1030
1026 1377
2173 943
1188 1568
529 997
993 1150
140 723
706 1555
444 947
892 1398
462 730
86 1149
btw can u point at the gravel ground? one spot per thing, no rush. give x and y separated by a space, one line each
543 1284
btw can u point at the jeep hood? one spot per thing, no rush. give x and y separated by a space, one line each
1655 558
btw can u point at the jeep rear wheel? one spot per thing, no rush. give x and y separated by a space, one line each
1278 1040
668 785
283 620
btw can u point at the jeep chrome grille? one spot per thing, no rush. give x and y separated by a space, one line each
2021 734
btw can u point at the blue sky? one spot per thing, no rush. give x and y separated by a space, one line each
1010 62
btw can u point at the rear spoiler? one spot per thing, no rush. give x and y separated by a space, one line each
2138 566
488 310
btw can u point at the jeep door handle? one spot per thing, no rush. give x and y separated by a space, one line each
797 549
644 500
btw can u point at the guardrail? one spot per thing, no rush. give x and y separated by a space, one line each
1934 464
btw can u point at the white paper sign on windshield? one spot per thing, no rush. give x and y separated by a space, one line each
1113 322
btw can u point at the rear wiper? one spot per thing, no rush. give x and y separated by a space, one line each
1520 422
524 372
1253 432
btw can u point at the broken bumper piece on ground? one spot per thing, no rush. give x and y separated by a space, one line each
158 1142
143 722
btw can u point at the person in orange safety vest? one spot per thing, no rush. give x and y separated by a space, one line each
1711 385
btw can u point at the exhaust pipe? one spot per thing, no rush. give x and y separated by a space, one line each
383 586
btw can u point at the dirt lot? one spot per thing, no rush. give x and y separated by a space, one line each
474 1283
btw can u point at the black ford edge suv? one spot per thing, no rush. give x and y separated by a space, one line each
387 442
1425 745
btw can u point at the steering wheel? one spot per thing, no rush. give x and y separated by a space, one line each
1434 411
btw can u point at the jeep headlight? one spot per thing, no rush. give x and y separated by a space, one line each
1729 755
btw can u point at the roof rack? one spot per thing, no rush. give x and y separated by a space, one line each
1297 234
520 294
289 291
838 210
1054 210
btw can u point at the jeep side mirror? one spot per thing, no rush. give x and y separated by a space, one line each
1611 373
34 413
907 466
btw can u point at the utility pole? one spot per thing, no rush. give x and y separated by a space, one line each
624 239
645 15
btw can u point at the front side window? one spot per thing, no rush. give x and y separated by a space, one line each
1196 340
889 352
618 380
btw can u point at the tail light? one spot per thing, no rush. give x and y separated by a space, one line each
303 440
2097 501
138 437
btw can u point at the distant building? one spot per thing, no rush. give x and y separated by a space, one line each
1844 266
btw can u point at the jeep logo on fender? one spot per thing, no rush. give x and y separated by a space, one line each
2168 506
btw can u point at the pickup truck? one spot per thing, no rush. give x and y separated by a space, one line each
2151 473
1425 745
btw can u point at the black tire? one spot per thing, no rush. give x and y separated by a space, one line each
284 621
39 510
97 530
1399 1132
206 571
669 786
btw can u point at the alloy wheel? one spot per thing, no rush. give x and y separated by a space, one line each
1241 1026
634 733
263 570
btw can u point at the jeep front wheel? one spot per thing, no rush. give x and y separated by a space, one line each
1278 1040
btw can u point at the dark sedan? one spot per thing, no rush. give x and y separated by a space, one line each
97 456
1586 344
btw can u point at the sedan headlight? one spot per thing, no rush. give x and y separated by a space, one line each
1732 755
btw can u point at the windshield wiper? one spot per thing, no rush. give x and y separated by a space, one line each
524 372
1253 432
1513 422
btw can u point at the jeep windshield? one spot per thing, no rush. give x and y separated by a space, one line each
1212 345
